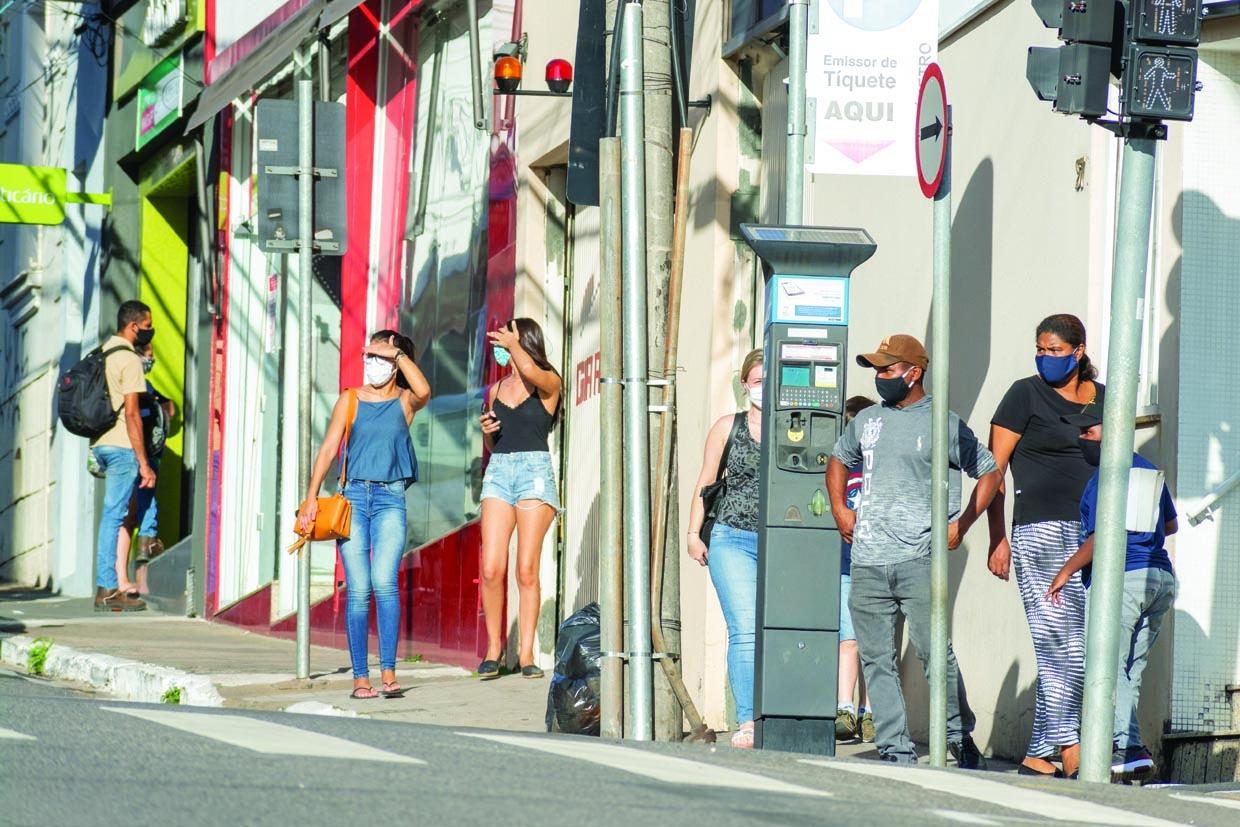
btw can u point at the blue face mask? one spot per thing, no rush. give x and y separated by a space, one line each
501 355
1055 369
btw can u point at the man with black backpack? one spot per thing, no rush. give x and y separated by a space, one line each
121 450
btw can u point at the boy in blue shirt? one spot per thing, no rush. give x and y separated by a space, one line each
1149 593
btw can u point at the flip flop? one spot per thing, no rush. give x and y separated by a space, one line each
392 690
364 693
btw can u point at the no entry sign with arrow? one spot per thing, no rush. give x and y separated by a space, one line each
932 130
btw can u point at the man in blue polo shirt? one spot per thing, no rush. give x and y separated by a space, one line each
1149 592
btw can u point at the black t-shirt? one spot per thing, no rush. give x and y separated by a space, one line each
1047 466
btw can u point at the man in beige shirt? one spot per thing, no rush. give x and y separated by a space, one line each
121 452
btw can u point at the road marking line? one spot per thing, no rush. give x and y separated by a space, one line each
650 764
1217 802
969 785
15 736
264 736
957 817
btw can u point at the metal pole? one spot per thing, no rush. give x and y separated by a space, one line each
636 416
939 419
305 355
794 162
611 500
475 61
660 218
1132 239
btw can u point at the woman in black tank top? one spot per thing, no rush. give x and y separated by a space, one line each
519 488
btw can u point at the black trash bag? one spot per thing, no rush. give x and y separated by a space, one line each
573 697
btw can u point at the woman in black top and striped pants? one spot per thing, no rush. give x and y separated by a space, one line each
1049 473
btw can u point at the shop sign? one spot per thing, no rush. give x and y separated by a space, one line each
164 21
865 62
159 100
31 195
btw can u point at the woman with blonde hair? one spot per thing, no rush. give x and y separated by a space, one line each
728 544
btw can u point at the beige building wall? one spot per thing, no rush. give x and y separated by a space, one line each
1033 199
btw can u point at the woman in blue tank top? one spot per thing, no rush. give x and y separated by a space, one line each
519 488
380 465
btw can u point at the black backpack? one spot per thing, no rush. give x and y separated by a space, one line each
83 402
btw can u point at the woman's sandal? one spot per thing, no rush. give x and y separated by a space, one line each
392 689
743 737
363 693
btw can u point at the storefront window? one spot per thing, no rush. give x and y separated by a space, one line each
446 276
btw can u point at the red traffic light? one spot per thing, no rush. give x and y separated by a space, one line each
507 74
559 75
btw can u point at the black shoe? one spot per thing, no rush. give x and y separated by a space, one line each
1130 763
1025 770
896 759
488 670
531 671
967 755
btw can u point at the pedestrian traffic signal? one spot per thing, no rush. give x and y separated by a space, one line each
1143 43
1160 74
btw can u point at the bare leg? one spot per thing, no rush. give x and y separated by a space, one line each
498 520
1071 758
123 539
849 665
533 519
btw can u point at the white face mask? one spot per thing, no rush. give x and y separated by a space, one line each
755 396
378 371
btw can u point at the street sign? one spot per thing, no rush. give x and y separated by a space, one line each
932 130
277 180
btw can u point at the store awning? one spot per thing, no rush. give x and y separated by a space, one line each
268 56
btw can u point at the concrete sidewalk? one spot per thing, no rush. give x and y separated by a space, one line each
140 656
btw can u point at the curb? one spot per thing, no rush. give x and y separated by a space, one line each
127 679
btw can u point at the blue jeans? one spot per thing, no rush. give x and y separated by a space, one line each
371 559
846 625
120 466
146 507
1148 595
733 561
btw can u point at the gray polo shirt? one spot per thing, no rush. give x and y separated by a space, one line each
892 445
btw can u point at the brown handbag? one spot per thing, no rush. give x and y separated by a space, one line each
335 514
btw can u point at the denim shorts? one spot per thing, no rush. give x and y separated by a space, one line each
525 475
846 627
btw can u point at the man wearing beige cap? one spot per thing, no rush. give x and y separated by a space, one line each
890 533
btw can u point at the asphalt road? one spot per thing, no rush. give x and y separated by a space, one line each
68 757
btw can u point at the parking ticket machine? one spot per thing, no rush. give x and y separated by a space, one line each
796 655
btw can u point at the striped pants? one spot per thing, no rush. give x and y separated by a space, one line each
1039 551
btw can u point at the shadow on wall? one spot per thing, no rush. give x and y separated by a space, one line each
972 262
1206 627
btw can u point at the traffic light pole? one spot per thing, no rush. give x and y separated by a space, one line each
639 722
305 344
1102 647
794 161
940 308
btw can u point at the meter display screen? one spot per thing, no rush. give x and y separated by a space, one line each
794 376
809 353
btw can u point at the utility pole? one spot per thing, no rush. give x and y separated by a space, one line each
657 59
1132 248
305 340
611 495
639 721
794 162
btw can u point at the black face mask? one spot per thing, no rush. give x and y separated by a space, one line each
144 336
1091 450
891 391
